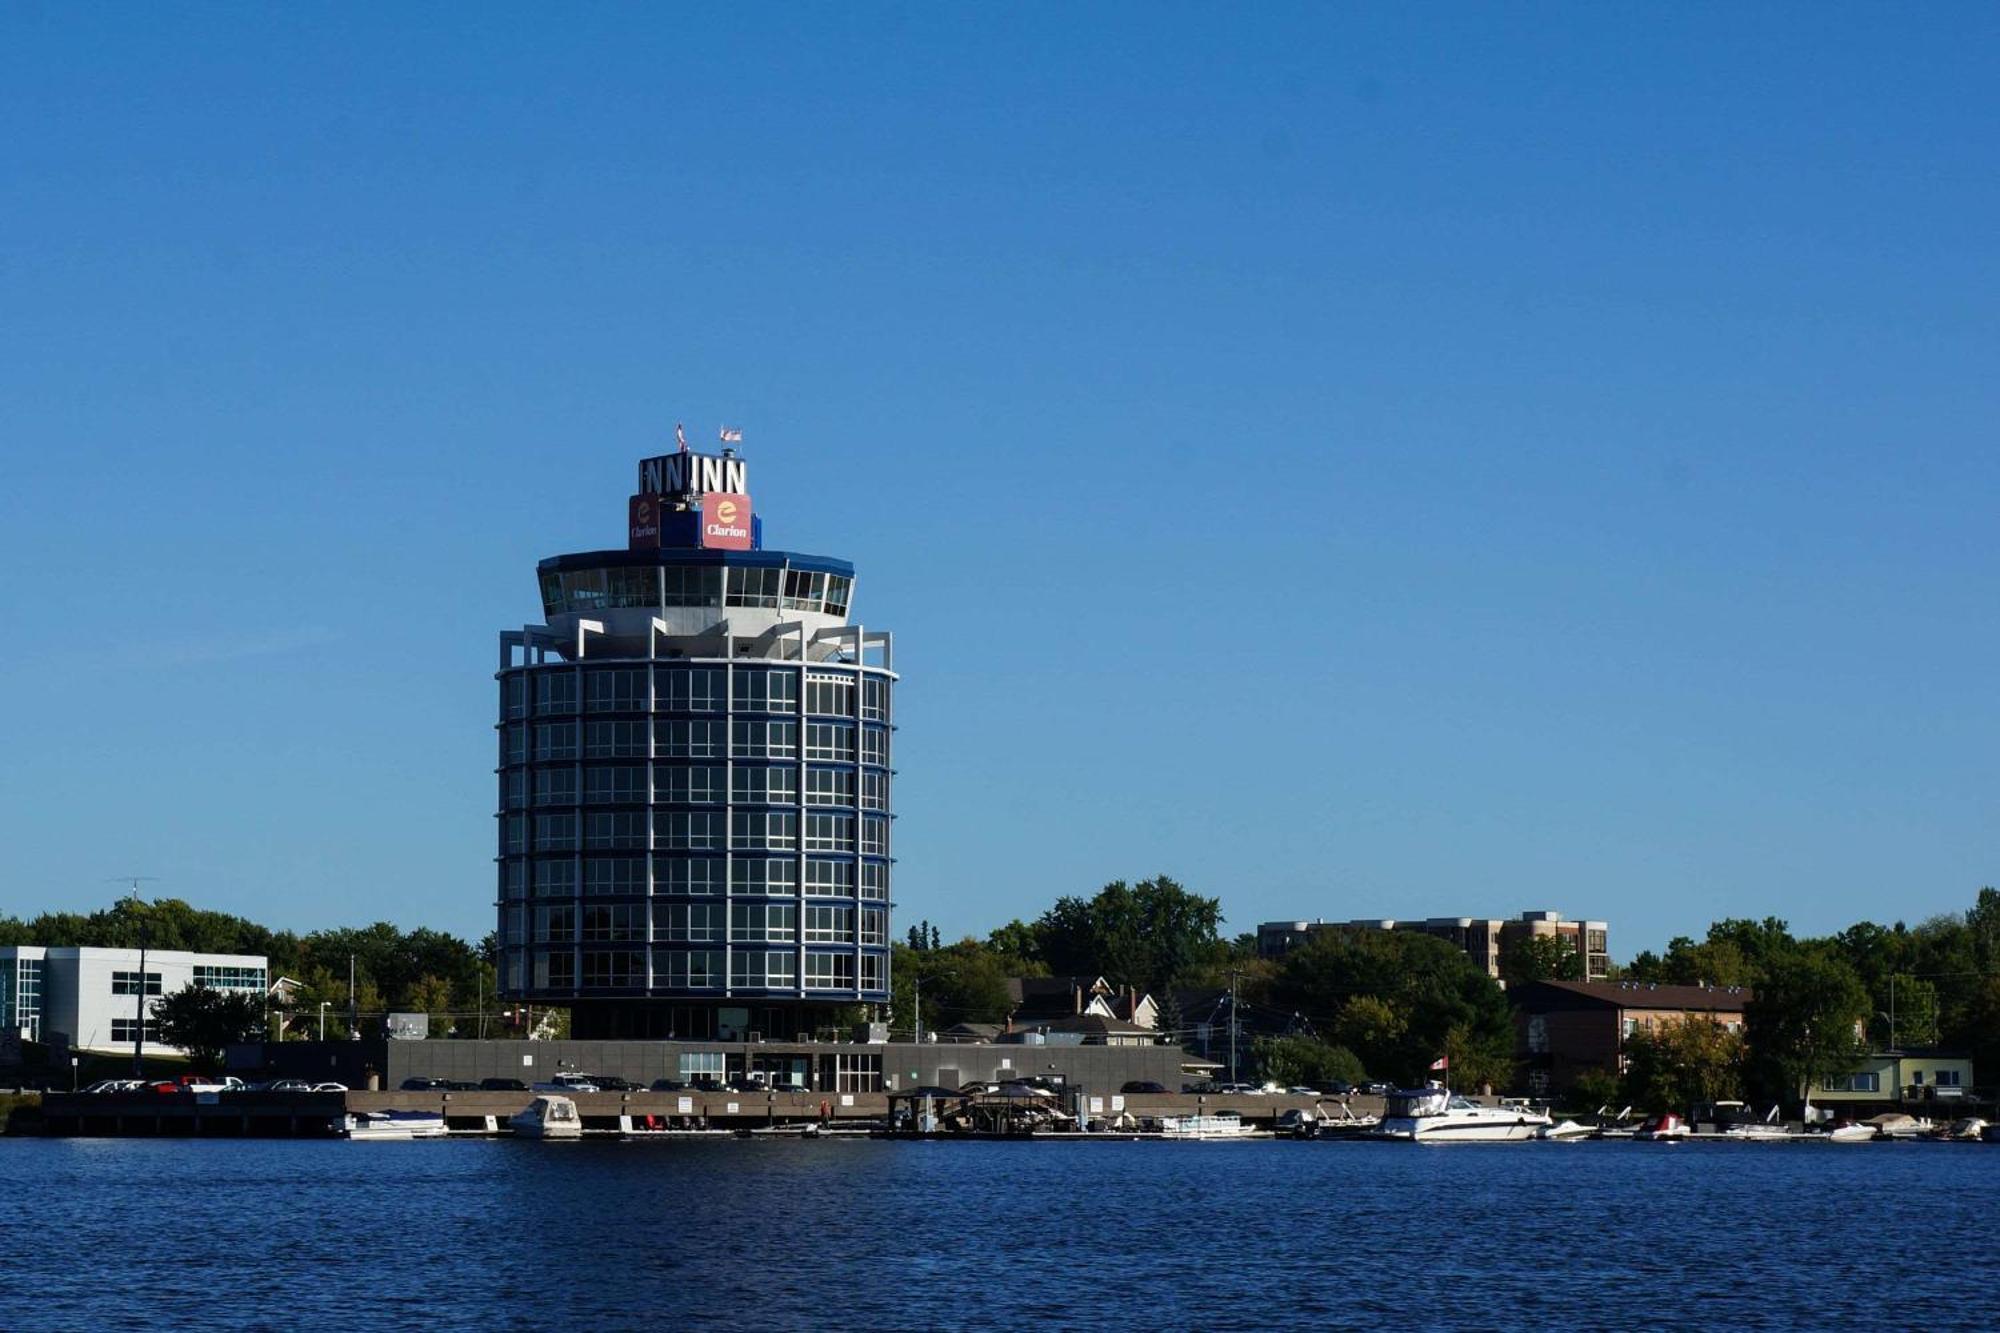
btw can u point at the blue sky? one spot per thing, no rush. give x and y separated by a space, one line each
1359 463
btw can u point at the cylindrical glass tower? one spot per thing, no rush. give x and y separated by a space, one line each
695 780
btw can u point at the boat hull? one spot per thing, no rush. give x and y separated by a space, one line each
1445 1129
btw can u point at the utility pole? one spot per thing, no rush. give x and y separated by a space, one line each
145 936
917 1008
1233 974
353 1004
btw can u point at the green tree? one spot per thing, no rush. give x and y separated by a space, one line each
1150 934
1802 1020
1526 958
1595 1088
202 1021
431 995
1682 1064
1297 1061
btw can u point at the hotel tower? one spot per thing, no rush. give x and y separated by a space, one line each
695 750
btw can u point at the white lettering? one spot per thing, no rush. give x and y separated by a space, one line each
680 474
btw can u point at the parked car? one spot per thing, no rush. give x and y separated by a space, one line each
420 1084
709 1085
668 1085
502 1085
284 1085
1338 1088
1238 1089
329 1087
458 1084
1140 1085
612 1083
569 1083
1376 1088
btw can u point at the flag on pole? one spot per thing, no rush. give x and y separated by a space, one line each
681 437
732 436
1443 1062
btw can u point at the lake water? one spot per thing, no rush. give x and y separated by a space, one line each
470 1233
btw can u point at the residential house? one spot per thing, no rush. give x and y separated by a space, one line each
1897 1079
1563 1028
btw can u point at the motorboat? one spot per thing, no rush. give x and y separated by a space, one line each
1758 1131
1896 1125
1608 1126
1849 1131
1967 1130
393 1125
549 1116
1224 1125
1439 1115
1565 1131
1668 1128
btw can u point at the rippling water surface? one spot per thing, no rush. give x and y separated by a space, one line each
860 1234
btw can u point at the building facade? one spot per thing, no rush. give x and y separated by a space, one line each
89 998
1481 939
1899 1077
694 769
1562 1028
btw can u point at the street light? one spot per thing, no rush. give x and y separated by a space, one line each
322 1018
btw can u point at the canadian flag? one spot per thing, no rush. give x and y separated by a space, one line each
1441 1063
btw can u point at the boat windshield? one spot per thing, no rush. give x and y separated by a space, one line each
1424 1101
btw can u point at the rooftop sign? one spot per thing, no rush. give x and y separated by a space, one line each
681 474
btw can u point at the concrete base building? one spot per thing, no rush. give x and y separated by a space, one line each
89 998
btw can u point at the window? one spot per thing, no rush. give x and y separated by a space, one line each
619 784
555 970
613 967
127 983
514 789
614 876
617 690
829 925
829 971
874 790
838 587
686 738
1851 1083
555 692
555 879
702 1064
126 1030
874 926
764 786
752 587
775 830
513 835
875 698
768 970
514 927
557 833
1947 1078
617 830
514 697
874 972
689 689
763 922
687 784
875 835
614 921
690 969
875 880
555 786
830 877
698 830
830 740
857 1073
513 745
875 746
555 925
631 587
804 590
767 740
696 875
696 923
830 694
614 740
1627 1026
554 741
829 833
692 585
753 876
513 879
829 786
229 978
767 690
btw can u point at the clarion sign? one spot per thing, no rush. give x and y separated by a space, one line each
725 520
682 474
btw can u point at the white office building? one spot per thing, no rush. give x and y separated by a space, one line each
90 998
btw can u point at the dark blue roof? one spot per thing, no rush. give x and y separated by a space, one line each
819 564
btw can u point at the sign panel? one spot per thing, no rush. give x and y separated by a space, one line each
725 520
643 520
680 474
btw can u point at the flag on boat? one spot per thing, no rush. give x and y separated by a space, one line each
1443 1062
730 436
681 437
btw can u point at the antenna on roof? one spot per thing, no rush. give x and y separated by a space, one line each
134 880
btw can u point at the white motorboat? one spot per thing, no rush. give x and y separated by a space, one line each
1759 1131
1967 1130
549 1116
1439 1115
1848 1131
394 1125
1565 1131
1222 1126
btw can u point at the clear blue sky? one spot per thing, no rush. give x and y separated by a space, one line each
1359 463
